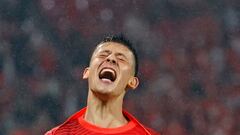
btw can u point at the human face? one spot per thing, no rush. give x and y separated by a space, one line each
111 69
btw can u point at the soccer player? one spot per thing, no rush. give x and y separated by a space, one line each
111 73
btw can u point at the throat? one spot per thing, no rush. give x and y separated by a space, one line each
105 119
105 113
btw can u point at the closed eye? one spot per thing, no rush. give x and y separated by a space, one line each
103 55
121 58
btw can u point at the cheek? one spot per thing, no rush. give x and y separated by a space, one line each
93 67
125 75
127 69
95 63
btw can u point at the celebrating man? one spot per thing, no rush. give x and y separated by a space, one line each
111 73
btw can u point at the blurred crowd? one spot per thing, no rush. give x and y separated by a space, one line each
189 58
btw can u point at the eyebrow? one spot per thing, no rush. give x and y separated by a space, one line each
117 54
121 54
105 51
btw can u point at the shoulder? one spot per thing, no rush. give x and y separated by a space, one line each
147 130
70 120
51 132
152 132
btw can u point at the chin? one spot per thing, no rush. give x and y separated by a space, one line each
104 87
103 90
103 95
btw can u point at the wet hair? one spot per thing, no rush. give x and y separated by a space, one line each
120 38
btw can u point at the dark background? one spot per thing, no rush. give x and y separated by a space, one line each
189 53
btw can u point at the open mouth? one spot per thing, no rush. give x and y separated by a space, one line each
107 74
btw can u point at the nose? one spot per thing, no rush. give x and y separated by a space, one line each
111 59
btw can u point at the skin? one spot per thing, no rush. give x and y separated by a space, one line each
105 99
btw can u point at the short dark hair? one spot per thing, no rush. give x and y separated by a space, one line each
120 38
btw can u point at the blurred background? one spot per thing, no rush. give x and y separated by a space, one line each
189 53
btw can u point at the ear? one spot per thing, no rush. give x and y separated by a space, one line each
86 73
133 83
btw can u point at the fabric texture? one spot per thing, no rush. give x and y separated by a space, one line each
76 125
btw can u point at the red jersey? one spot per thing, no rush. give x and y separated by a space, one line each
76 125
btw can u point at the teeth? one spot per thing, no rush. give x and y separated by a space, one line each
109 70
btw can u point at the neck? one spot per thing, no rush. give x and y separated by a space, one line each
105 113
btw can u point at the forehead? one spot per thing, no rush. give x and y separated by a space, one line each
113 47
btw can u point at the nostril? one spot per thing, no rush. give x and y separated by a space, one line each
112 61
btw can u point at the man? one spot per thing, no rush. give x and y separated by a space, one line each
112 71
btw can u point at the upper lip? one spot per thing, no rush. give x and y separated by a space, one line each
109 68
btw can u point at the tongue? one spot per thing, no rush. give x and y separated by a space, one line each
106 80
